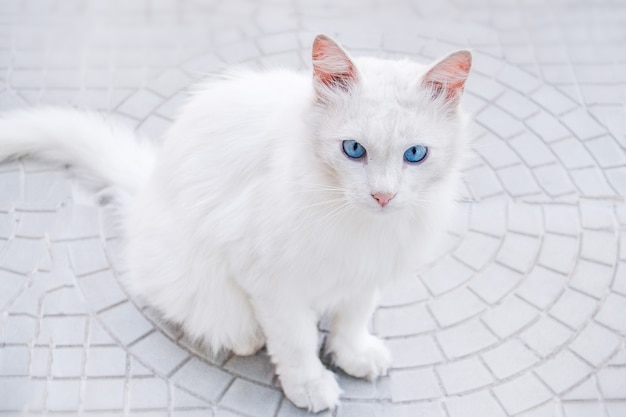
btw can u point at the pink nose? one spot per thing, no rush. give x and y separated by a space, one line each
383 198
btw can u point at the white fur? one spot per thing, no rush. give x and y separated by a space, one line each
253 222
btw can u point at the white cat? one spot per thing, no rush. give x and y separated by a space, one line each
277 197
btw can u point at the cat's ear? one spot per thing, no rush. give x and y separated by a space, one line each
332 67
446 79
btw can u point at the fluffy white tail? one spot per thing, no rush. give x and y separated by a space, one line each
104 153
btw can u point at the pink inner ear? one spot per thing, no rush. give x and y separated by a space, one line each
331 65
449 75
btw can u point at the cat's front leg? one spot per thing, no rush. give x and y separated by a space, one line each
292 341
350 343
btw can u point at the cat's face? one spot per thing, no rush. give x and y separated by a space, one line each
389 132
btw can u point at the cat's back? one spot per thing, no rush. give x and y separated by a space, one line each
247 99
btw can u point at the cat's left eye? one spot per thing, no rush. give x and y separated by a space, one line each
415 154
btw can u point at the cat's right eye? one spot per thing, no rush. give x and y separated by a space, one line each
353 149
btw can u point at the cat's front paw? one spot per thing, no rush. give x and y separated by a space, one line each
367 357
314 394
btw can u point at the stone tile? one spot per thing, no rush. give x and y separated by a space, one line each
518 80
403 321
63 395
489 217
553 100
206 381
532 149
525 219
414 351
542 287
509 317
14 361
97 334
597 215
592 183
87 256
413 385
495 151
547 127
446 275
257 367
23 255
465 339
76 222
154 127
239 52
362 389
572 153
599 246
517 104
619 283
140 104
606 152
554 180
592 278
521 394
482 182
509 358
62 331
573 308
8 225
169 82
405 291
494 282
586 391
159 353
612 382
147 393
476 404
25 393
63 301
287 409
105 361
595 344
562 219
252 399
476 250
101 290
104 394
464 375
613 313
126 322
497 121
483 87
563 371
582 124
18 330
582 409
546 336
456 306
182 399
12 285
616 409
518 252
33 224
559 253
45 191
67 362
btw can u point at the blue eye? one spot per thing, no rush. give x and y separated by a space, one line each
415 154
353 149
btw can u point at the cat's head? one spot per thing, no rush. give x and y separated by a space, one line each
390 133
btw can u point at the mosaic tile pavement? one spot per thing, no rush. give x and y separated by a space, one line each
524 312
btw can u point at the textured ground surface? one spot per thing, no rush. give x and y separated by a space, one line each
523 314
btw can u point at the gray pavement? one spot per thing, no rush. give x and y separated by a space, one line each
524 313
